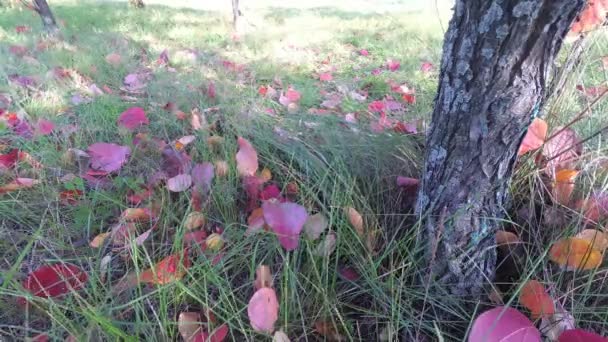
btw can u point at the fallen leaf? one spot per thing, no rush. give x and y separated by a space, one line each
195 220
393 65
562 149
211 90
327 246
263 310
426 67
168 270
214 242
263 277
534 298
246 158
221 168
174 162
349 273
575 253
535 137
18 184
137 215
554 325
564 185
132 118
328 330
197 237
189 325
280 336
179 183
356 221
591 17
597 239
266 175
55 280
255 221
114 59
202 176
315 226
325 76
99 240
503 324
580 335
286 220
108 157
140 239
9 160
504 237
364 52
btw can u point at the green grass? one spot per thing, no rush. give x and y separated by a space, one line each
334 165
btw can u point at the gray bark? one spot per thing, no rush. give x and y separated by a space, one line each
236 13
497 55
48 20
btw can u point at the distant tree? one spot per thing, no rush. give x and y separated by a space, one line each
137 3
48 20
236 13
497 58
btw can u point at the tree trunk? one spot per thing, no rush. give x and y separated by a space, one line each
137 3
236 13
497 55
48 20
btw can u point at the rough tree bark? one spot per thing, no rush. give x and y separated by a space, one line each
497 55
48 20
137 3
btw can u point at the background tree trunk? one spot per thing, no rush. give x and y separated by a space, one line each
236 13
137 3
497 55
48 20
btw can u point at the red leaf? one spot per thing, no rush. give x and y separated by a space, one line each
393 65
349 273
18 50
18 184
246 158
269 192
376 106
22 28
168 270
133 118
562 149
196 238
580 335
55 280
9 160
286 220
263 310
108 157
426 67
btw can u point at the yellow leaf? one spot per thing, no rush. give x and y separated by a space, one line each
98 240
575 253
266 175
195 220
214 242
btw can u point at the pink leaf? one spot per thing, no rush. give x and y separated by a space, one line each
393 65
286 220
133 118
108 157
263 310
426 67
325 76
55 280
580 335
364 52
503 324
562 148
45 127
246 158
179 183
211 90
376 106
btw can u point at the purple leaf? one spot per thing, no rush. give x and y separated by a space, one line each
202 175
23 81
108 157
133 118
503 324
286 220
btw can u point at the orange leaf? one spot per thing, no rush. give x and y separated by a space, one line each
564 185
170 269
535 137
505 238
598 239
356 221
575 253
137 214
98 240
534 297
18 184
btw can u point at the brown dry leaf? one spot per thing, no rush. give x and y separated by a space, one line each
195 220
598 239
189 325
504 237
328 330
280 336
263 277
114 59
221 168
356 221
575 253
327 246
315 226
564 185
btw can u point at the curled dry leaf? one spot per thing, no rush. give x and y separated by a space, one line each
503 324
214 242
179 183
246 158
553 326
255 221
99 240
534 138
564 185
315 226
280 336
504 237
356 221
263 277
534 297
189 325
103 266
263 310
195 220
598 239
575 253
327 246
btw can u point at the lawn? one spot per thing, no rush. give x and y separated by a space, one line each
324 145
